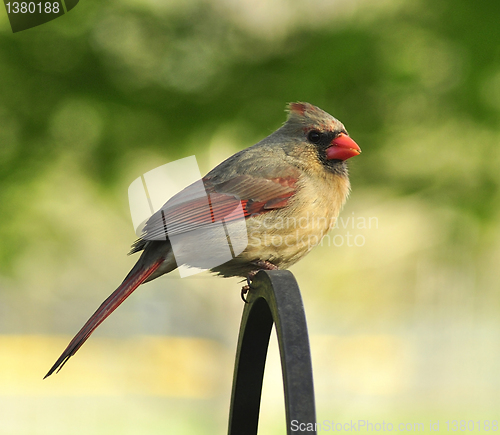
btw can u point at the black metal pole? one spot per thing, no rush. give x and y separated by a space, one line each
274 298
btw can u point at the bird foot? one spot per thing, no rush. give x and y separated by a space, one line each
262 265
244 290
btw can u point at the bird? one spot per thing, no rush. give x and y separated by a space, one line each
277 199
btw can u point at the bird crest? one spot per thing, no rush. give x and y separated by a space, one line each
307 116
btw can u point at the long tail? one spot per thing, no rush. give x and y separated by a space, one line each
134 279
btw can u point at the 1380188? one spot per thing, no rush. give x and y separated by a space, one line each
32 7
463 425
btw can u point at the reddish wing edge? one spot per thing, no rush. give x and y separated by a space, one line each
187 211
106 308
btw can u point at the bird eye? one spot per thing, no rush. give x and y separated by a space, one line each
314 136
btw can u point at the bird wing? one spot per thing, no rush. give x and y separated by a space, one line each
199 204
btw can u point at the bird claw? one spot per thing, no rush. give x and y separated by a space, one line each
244 290
262 265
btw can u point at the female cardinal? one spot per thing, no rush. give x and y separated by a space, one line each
287 190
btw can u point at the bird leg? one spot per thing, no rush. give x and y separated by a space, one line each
262 265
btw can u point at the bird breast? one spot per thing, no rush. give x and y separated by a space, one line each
285 235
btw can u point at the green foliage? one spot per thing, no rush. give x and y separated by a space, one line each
417 85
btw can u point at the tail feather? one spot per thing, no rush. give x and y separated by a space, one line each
133 280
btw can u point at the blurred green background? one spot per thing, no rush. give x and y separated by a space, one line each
404 323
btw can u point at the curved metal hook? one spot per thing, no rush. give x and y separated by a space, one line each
274 297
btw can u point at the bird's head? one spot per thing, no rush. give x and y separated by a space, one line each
321 132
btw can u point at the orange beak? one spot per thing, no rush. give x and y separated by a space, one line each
342 148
